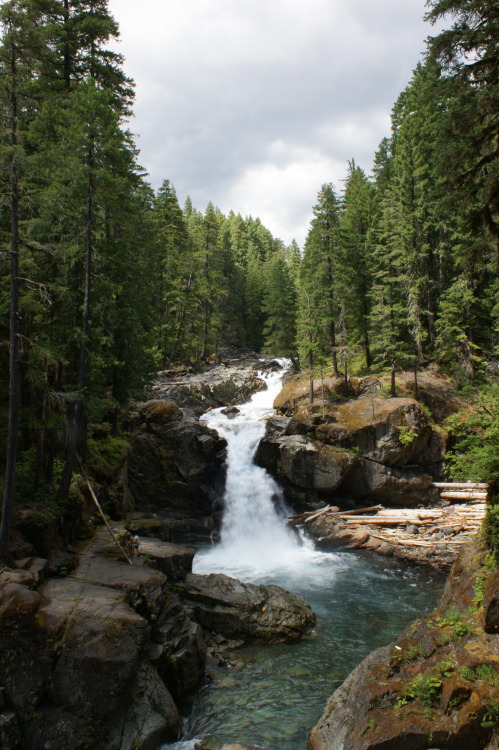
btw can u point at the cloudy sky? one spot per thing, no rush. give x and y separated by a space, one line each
254 104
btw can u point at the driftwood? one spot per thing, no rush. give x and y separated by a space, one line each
464 495
454 524
461 485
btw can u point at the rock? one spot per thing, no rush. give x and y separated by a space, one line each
433 688
390 431
17 603
491 604
305 463
172 559
390 486
265 614
181 664
411 529
231 411
10 736
174 462
150 717
143 586
51 728
101 635
61 562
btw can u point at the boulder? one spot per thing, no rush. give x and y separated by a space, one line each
150 718
390 486
263 614
181 657
436 687
305 463
173 465
390 431
101 641
172 559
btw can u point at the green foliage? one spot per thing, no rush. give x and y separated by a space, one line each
412 652
454 624
490 718
425 688
406 435
106 455
483 672
476 432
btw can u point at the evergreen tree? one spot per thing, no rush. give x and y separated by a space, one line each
279 306
320 279
357 241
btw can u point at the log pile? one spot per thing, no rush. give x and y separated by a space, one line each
431 530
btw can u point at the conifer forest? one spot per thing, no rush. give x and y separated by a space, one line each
104 281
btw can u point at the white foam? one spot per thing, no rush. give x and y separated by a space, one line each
256 544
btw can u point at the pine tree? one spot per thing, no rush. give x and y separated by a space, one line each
357 239
279 306
320 279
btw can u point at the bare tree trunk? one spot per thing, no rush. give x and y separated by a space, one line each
311 365
10 470
392 382
333 350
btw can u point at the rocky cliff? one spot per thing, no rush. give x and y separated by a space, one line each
100 657
359 448
437 686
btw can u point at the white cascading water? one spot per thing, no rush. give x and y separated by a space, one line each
256 544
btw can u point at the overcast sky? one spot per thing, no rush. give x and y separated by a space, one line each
254 104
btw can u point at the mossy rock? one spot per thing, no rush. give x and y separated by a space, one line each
161 412
106 456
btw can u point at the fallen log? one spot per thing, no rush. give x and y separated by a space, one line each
461 485
359 511
464 495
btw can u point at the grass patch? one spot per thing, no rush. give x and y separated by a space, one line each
484 672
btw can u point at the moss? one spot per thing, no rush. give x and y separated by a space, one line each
107 455
161 411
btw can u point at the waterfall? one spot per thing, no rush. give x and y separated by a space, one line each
255 543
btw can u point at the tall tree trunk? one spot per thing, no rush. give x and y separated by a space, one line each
180 327
66 49
76 424
333 349
311 365
392 382
10 470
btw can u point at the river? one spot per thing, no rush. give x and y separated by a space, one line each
275 694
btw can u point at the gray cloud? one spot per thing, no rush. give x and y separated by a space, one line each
253 104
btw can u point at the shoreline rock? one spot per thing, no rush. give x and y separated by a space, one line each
434 687
256 614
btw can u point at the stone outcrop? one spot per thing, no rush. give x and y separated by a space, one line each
99 658
173 465
263 614
437 686
368 449
230 381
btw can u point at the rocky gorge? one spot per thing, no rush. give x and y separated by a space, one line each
149 629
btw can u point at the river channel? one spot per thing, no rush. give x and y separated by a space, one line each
273 695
